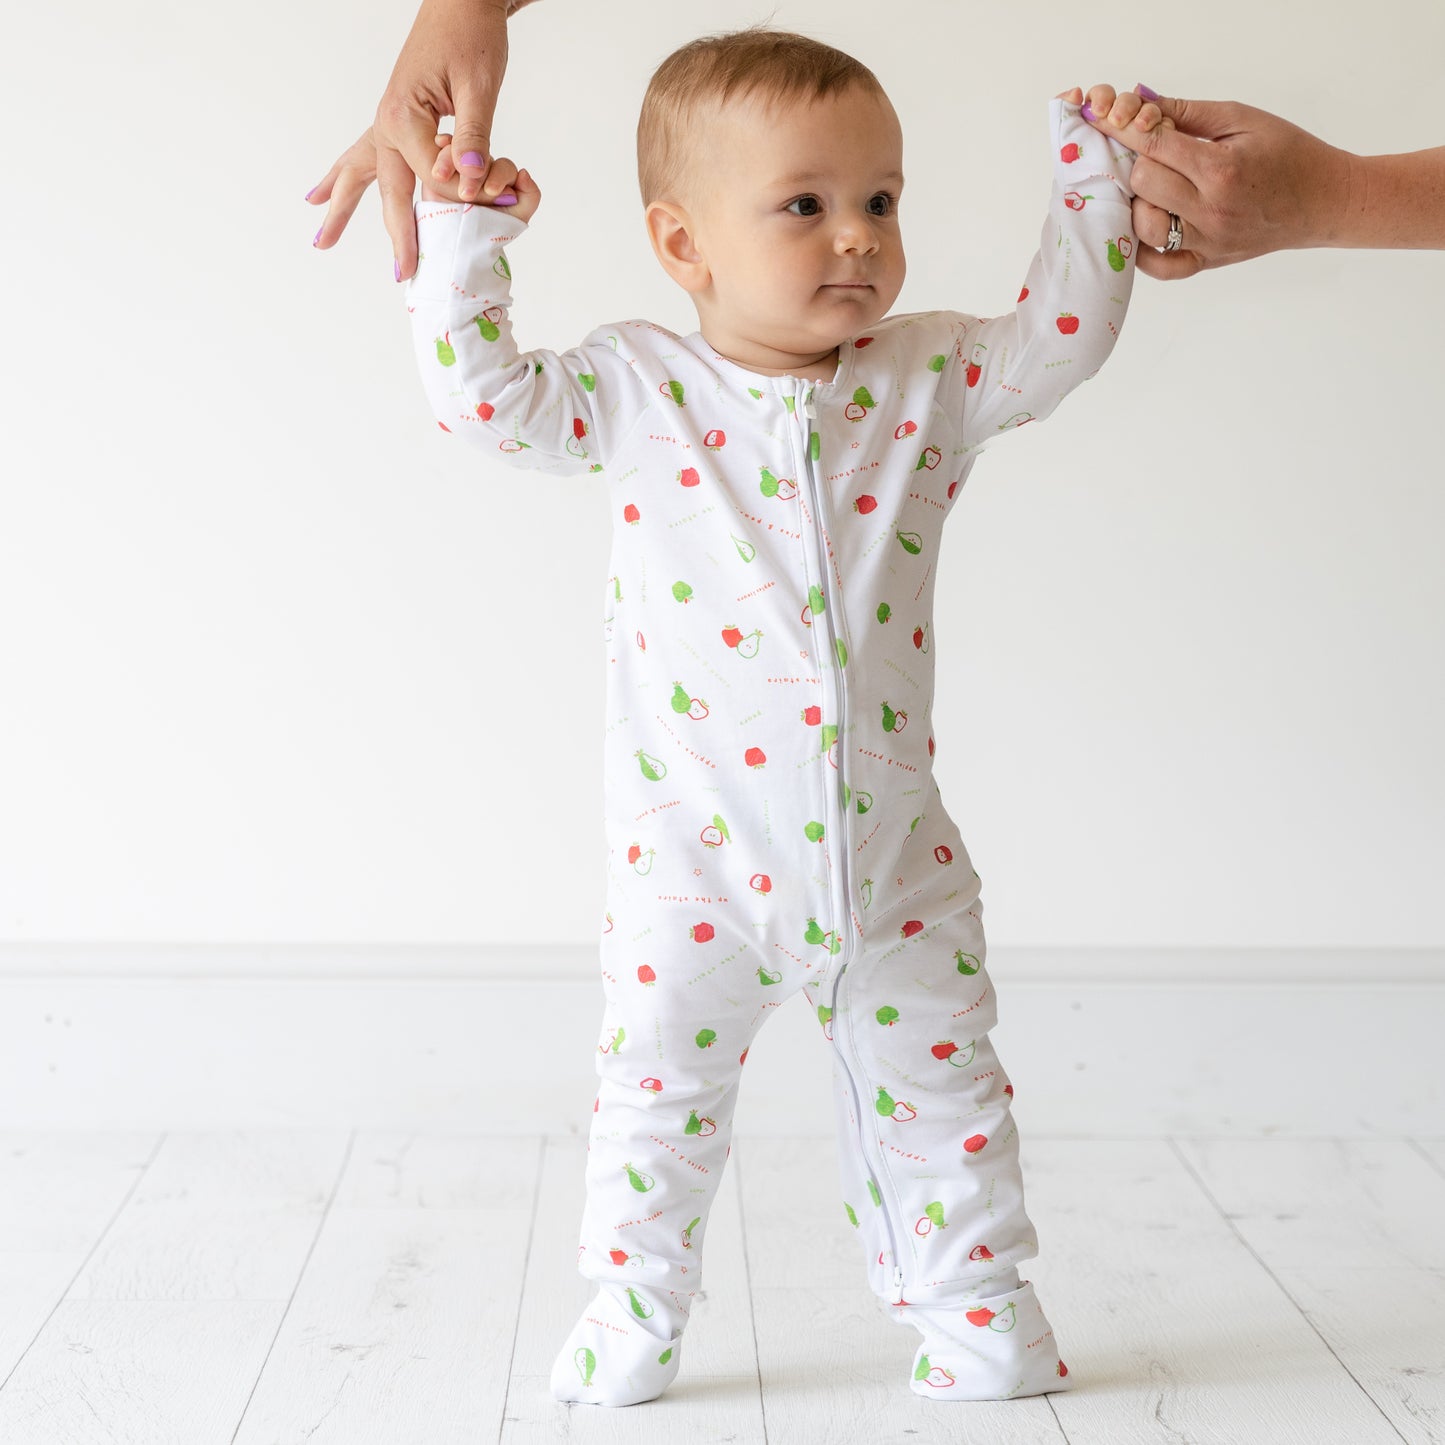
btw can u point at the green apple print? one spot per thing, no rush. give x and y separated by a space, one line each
746 550
445 354
653 769
640 1306
705 1038
640 1182
674 390
884 612
885 1104
681 591
488 327
1116 257
936 363
967 963
852 1218
877 1197
589 382
813 832
935 1212
911 542
815 600
586 1362
887 1015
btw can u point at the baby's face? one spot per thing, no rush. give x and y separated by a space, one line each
797 216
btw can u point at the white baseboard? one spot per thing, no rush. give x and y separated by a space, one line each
499 1040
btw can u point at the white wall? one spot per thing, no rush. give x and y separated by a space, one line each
278 664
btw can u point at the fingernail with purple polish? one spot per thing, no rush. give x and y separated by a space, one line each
309 194
396 268
1142 89
1086 112
505 199
471 158
317 236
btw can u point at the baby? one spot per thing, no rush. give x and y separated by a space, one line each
778 482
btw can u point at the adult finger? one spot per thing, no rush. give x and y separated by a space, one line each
396 181
1167 265
1203 119
1164 187
1151 224
476 104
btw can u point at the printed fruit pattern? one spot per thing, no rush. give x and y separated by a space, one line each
719 583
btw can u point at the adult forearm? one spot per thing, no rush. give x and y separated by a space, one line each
1395 201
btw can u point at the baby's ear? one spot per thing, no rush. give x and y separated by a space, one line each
670 229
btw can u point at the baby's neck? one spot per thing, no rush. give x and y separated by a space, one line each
767 361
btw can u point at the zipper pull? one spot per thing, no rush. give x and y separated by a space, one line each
897 1285
809 410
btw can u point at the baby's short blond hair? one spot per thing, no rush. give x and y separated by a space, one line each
771 65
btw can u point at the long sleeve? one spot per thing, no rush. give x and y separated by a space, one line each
1017 368
551 412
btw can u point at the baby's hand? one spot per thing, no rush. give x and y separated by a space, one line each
1119 110
505 186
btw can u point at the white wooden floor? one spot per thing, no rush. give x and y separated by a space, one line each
349 1289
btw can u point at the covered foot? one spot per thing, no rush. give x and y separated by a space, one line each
623 1350
997 1348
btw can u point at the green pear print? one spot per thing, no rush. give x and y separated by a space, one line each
755 393
665 1356
815 600
875 1195
890 718
589 382
936 363
488 327
640 1306
653 769
445 354
815 447
852 1218
885 1104
813 832
681 698
840 652
674 390
769 975
768 485
586 1362
1116 257
967 963
746 550
935 1212
825 1014
884 612
687 1233
813 933
911 542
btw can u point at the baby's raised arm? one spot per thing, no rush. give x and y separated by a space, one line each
1018 367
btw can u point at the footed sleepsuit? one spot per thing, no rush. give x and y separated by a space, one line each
772 821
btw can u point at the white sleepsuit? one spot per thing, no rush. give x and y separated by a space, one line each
772 821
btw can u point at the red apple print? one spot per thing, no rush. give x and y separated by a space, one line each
1063 1369
688 476
760 883
618 1256
980 1251
911 927
715 439
645 973
979 1317
905 430
755 757
1009 1090
864 504
943 853
742 1059
861 342
952 488
634 853
631 514
1069 153
973 373
1068 323
486 410
1075 202
918 637
944 1050
701 933
812 716
855 411
445 427
1023 293
732 636
653 1086
930 747
973 1145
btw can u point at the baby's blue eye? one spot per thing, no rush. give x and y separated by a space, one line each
805 201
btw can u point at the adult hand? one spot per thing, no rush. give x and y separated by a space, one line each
1242 181
452 64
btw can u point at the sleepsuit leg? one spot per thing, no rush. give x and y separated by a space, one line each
669 1061
929 1158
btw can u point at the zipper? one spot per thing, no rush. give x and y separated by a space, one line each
843 874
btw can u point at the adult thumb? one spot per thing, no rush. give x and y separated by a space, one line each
472 135
1203 119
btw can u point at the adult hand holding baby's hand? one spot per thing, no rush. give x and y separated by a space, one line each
505 186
